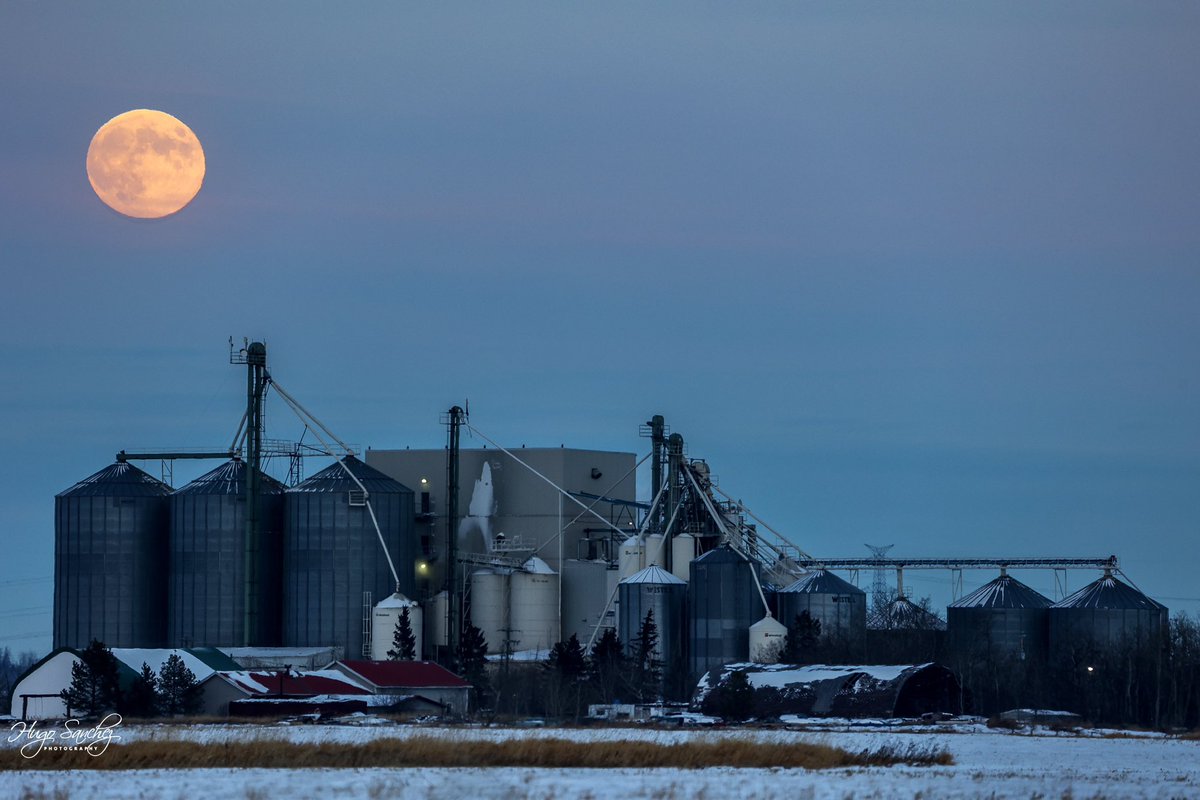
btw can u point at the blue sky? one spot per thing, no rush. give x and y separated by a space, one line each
923 275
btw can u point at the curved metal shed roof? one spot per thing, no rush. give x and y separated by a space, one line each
823 582
1108 592
334 479
121 478
229 478
1003 592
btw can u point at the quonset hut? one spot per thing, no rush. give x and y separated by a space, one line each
1106 614
1004 617
332 554
110 559
207 589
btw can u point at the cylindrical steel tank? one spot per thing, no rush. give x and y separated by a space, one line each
384 620
489 606
654 590
206 586
332 555
1106 613
723 602
766 640
1004 617
683 550
840 607
110 560
533 606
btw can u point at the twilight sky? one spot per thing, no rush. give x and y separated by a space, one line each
923 275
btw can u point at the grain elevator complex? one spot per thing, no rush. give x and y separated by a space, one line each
530 545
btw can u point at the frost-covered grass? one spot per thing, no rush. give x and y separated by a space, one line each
1032 762
433 751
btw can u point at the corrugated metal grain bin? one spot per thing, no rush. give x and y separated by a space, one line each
1106 613
332 555
207 585
654 590
723 602
110 560
840 607
1003 617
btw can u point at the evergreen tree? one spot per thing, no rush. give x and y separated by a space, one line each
177 687
732 699
800 646
142 698
646 675
94 685
472 660
567 668
404 642
606 665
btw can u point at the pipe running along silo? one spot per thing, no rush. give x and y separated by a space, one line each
654 591
723 602
1107 614
110 559
1004 618
332 554
838 605
207 583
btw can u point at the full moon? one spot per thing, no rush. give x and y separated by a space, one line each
145 164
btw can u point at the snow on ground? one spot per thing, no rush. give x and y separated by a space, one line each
990 763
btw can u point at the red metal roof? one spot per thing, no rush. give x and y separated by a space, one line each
268 683
406 674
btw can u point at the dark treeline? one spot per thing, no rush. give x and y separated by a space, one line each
1154 684
574 677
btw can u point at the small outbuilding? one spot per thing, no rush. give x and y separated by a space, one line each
838 691
421 678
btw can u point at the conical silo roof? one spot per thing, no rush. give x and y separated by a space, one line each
334 479
721 555
121 478
229 478
656 575
903 613
1003 592
1108 592
823 581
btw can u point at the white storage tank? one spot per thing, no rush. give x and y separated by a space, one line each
438 608
766 640
489 606
656 551
533 607
683 550
633 554
385 618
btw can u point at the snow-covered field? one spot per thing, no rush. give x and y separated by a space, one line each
989 763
